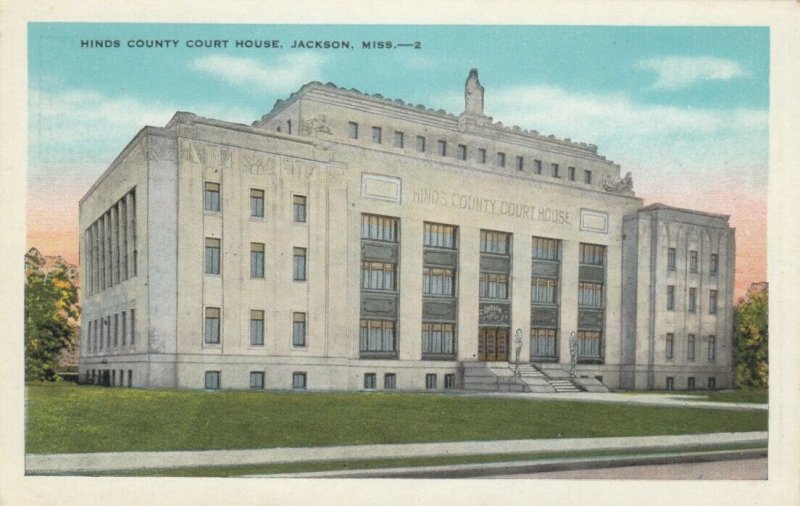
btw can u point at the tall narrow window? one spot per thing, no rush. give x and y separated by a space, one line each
212 197
430 382
289 126
299 208
670 346
124 330
537 166
501 159
299 329
211 333
692 303
571 172
712 348
690 348
256 203
671 259
256 260
420 144
692 261
712 302
690 383
352 130
133 326
520 162
212 256
481 155
587 176
441 148
377 135
670 297
554 169
256 327
116 330
389 381
714 264
369 381
299 264
399 140
462 152
212 380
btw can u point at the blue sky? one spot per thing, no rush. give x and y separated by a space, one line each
685 109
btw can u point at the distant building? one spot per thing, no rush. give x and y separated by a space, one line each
348 241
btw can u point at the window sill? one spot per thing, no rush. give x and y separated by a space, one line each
439 356
378 355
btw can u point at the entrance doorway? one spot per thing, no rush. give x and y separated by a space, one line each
493 344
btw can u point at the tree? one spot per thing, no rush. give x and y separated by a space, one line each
750 335
51 313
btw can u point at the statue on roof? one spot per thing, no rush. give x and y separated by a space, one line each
473 94
624 184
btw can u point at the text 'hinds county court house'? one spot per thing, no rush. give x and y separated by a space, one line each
349 241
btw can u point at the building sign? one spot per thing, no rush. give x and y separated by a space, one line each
498 207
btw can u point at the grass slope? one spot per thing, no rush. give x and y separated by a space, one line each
72 419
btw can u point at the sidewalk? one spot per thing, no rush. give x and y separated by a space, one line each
119 461
668 400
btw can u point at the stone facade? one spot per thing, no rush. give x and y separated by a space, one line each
347 241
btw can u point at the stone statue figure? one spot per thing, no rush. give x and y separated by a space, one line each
473 94
517 349
624 184
573 354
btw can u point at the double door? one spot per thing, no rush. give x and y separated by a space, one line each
493 344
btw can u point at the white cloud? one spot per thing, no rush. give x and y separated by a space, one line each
677 72
287 74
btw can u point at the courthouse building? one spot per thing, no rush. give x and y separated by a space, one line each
348 241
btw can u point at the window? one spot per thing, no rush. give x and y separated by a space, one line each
352 130
130 378
298 329
379 228
420 144
389 381
124 331
692 261
289 126
377 135
712 348
571 172
593 254
671 259
369 381
670 297
399 140
587 176
133 326
670 383
377 336
670 346
256 380
543 342
256 327
590 294
544 291
714 264
212 197
494 242
299 380
501 159
462 152
537 166
438 339
520 161
256 203
438 281
449 381
712 383
211 334
299 208
116 330
692 303
690 348
545 249
212 380
690 383
212 256
377 276
481 155
430 382
441 148
554 170
299 264
589 344
439 236
256 260
712 302
493 286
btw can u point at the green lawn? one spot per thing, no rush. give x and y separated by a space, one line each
70 419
